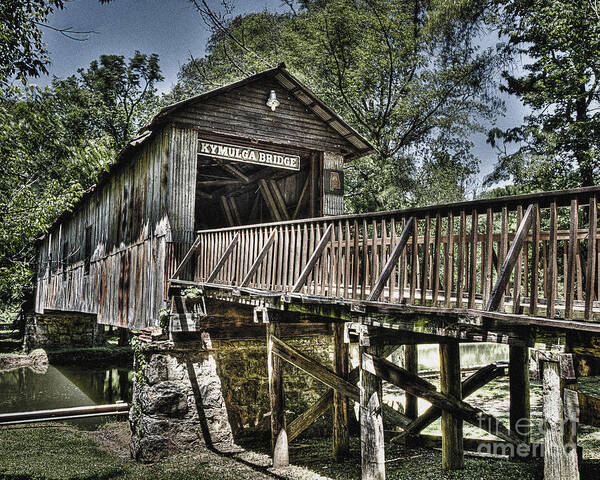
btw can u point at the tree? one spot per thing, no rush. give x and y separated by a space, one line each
44 170
121 93
23 53
559 143
407 75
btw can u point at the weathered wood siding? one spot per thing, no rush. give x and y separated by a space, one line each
333 201
242 112
109 257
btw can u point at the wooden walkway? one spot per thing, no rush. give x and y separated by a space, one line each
525 256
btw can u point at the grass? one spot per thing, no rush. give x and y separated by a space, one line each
60 452
54 453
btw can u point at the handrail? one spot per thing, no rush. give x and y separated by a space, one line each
563 198
525 254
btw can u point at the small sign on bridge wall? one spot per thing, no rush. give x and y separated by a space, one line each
237 153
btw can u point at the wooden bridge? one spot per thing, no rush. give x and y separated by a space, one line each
519 270
212 171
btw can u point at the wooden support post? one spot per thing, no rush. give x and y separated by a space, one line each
341 437
452 426
411 363
279 441
561 414
372 447
518 372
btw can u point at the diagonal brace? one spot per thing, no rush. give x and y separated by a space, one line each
324 375
312 261
259 259
510 260
470 385
392 261
419 387
223 258
187 257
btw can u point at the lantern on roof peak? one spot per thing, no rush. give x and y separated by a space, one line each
272 101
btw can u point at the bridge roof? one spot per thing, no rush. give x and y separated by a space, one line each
359 145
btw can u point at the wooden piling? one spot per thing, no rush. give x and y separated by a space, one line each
561 414
452 427
341 437
279 441
411 363
372 447
518 372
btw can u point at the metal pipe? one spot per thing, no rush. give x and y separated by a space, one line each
64 413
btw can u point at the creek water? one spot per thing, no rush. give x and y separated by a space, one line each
24 389
471 354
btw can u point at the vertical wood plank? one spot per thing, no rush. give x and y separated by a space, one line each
436 259
503 243
392 282
552 262
279 442
414 261
473 259
452 427
517 274
462 257
590 276
487 257
449 262
347 245
425 269
535 260
365 252
374 256
341 436
356 260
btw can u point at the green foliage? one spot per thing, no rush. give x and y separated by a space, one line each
559 143
22 51
408 75
120 93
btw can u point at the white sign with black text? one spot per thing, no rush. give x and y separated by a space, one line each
237 153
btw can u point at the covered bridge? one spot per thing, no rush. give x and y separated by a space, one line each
220 159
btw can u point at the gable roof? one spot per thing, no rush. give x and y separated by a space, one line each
359 145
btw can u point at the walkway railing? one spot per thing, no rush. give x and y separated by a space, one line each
534 254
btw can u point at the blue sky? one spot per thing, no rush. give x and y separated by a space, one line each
173 29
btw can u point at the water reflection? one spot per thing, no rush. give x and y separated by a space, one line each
471 354
23 389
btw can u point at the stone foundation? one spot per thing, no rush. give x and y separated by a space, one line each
58 330
177 401
228 378
242 367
